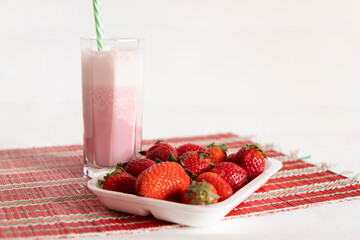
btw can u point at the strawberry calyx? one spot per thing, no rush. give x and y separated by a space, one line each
204 154
172 158
202 193
182 157
118 169
185 155
222 146
120 165
142 153
248 179
100 182
256 147
191 174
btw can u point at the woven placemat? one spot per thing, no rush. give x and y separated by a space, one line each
43 192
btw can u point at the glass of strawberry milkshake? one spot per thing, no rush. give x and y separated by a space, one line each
112 89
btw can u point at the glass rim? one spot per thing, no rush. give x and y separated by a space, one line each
116 39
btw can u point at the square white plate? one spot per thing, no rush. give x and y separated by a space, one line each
191 215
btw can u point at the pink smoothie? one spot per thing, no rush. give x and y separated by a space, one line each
112 102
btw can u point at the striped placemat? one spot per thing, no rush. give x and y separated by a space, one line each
43 192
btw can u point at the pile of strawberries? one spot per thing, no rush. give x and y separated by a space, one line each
190 174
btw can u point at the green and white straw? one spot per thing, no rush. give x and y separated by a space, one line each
99 24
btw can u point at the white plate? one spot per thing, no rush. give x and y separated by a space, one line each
191 215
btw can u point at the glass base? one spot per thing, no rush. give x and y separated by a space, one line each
92 170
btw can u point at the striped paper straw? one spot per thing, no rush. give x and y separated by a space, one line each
99 25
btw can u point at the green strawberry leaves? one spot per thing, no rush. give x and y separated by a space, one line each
211 145
100 182
171 157
194 201
202 193
119 168
189 195
209 186
142 153
204 154
222 146
191 174
121 165
256 147
249 178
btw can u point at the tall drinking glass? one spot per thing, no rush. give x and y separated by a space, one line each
112 89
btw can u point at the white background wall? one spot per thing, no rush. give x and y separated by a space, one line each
286 53
260 52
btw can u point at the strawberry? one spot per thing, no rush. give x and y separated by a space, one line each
189 147
196 162
119 181
252 158
223 188
136 166
231 157
218 153
165 180
162 151
233 174
200 193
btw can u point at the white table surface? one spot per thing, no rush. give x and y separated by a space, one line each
328 134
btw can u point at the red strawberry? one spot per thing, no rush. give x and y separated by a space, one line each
233 174
252 158
162 151
165 180
196 162
218 153
223 189
136 166
189 147
231 157
119 181
200 193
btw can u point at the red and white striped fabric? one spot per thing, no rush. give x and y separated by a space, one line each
43 192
